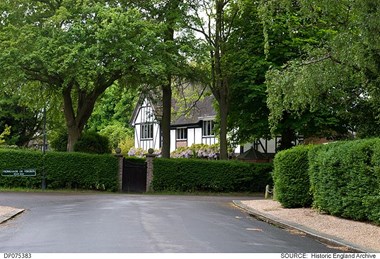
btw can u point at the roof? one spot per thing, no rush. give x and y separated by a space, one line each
201 110
182 113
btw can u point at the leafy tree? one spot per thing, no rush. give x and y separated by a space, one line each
25 122
180 55
215 24
76 49
339 74
247 65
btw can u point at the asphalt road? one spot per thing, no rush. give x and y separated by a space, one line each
122 223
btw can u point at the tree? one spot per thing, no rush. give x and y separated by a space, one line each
340 74
179 54
77 49
25 122
215 23
247 65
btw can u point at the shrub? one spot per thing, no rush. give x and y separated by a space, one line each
189 175
345 179
291 179
62 170
92 142
59 143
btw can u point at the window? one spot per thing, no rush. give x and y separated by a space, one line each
208 129
147 131
182 134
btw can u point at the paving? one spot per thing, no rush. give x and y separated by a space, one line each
293 223
7 213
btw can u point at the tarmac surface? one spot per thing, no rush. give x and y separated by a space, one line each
7 213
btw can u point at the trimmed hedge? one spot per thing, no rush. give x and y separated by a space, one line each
291 178
62 170
190 175
345 179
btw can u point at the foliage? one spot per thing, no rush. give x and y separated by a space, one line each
126 145
197 151
62 170
92 142
337 72
345 179
136 152
5 133
247 64
76 49
59 143
291 177
112 113
189 175
25 121
116 133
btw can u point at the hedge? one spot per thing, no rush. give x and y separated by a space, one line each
62 170
291 178
191 175
345 179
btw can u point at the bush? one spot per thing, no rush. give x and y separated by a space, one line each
62 170
59 143
345 179
189 175
92 142
291 178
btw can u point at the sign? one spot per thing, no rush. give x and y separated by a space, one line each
19 172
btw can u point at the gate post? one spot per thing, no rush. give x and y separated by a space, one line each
120 159
149 169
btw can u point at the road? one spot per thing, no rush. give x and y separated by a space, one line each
124 223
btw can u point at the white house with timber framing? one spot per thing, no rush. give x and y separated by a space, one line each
196 126
193 127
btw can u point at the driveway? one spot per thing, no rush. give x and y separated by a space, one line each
122 223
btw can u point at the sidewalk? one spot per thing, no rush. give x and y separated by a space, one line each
6 213
347 235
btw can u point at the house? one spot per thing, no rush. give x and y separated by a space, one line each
194 126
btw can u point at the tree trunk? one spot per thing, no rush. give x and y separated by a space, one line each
287 137
223 110
166 118
75 122
220 87
73 135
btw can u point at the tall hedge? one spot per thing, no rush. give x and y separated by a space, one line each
345 179
291 178
189 175
62 170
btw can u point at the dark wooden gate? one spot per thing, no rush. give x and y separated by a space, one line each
134 176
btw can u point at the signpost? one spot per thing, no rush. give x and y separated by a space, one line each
19 172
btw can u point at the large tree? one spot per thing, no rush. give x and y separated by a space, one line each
76 49
215 24
179 57
339 74
247 63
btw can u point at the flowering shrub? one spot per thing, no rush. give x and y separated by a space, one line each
139 152
197 151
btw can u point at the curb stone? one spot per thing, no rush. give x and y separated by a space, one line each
13 213
324 238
